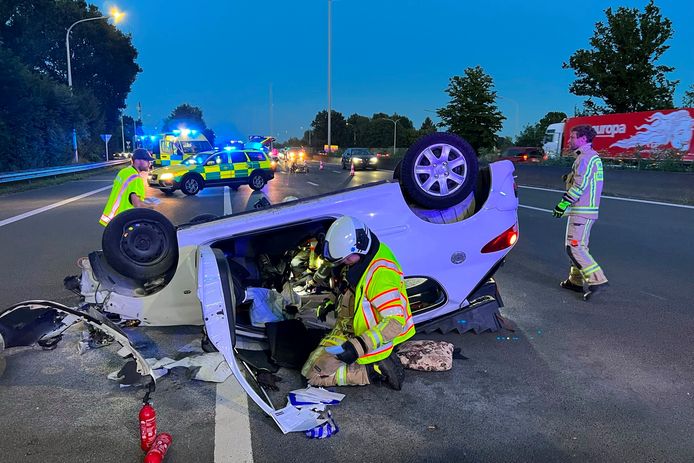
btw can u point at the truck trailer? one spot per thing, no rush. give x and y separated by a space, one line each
630 136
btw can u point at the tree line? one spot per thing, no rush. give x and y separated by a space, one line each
38 110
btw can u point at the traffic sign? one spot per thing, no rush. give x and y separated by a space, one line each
105 137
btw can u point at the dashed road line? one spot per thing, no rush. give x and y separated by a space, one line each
534 208
337 171
51 206
312 183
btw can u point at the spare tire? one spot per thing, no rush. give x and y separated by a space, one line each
438 171
141 244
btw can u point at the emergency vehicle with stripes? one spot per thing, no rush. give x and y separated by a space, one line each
229 167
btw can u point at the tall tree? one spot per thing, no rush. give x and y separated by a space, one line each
358 128
427 127
472 112
532 135
621 67
338 133
688 99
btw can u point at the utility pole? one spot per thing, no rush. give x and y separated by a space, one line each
271 128
122 132
330 7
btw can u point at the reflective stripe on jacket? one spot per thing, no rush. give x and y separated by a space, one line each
126 182
381 296
584 186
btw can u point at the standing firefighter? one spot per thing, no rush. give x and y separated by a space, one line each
582 199
373 313
128 187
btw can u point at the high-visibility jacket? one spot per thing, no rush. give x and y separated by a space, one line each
380 297
584 184
127 181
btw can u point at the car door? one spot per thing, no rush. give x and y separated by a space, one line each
240 164
213 168
216 294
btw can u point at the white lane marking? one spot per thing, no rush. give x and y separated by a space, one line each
227 201
534 208
52 206
655 296
642 201
311 183
337 171
232 427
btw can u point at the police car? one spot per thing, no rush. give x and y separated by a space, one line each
234 166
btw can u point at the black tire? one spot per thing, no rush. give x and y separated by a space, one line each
256 181
203 218
397 170
191 184
344 167
459 180
140 244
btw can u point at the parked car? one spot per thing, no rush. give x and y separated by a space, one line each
523 154
362 158
450 225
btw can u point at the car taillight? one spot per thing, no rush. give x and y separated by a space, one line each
503 241
525 157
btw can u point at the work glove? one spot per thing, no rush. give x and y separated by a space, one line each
560 208
346 352
324 309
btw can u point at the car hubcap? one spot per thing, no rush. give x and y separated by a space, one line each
440 170
143 242
192 185
258 182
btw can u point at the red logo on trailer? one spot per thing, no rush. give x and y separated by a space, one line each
623 135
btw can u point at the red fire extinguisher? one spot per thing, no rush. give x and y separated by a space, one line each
159 448
148 426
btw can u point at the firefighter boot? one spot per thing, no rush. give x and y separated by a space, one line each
388 371
567 284
593 289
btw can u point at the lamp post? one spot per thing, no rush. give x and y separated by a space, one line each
330 8
116 15
395 131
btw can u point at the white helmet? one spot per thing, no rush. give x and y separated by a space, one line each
346 236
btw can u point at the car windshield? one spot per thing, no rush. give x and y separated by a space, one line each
361 152
192 147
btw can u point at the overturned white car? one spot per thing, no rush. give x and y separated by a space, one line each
449 223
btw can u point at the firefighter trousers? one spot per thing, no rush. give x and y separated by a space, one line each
584 269
324 369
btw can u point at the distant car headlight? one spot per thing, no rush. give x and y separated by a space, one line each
356 160
374 160
167 176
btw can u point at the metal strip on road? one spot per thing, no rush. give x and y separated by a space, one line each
232 425
311 183
642 201
51 206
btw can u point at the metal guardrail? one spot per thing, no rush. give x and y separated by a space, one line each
19 176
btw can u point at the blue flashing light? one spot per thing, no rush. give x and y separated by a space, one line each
176 131
227 148
193 132
152 137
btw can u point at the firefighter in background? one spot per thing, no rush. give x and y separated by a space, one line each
581 203
128 187
373 313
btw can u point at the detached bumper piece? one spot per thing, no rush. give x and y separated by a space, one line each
44 322
481 315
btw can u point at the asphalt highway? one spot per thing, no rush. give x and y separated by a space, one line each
605 380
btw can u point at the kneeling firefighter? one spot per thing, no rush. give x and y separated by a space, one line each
373 313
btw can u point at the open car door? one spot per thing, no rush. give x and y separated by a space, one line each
216 294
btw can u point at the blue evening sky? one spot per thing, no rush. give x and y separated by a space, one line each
388 56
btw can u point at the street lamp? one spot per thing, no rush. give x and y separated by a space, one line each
330 8
117 16
395 131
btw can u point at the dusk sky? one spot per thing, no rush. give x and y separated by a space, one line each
388 56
